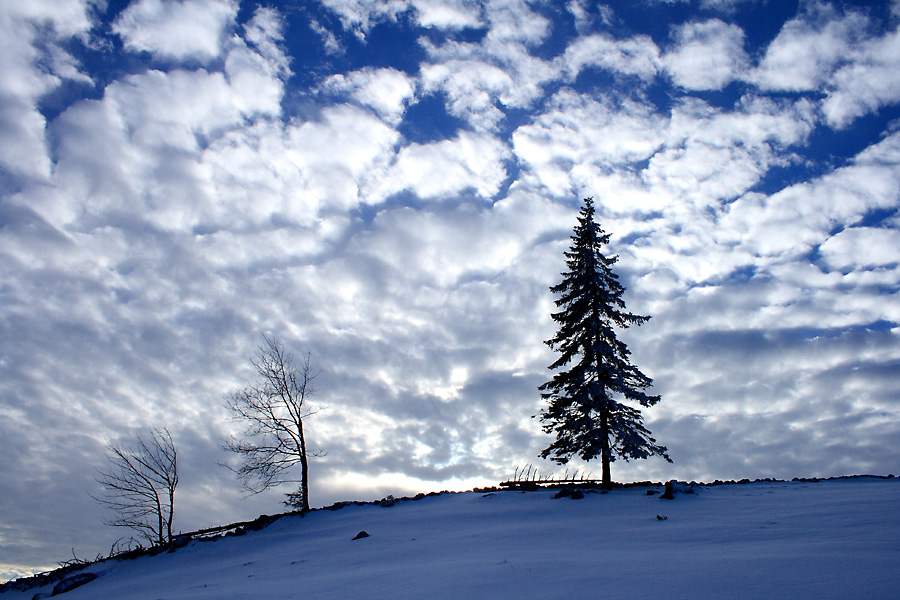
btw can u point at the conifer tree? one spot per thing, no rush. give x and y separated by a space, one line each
593 399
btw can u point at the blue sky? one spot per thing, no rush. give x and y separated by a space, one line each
391 186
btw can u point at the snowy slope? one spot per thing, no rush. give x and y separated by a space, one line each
827 539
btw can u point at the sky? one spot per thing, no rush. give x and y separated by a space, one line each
390 186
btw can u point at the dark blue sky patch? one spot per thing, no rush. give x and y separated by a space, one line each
655 19
762 21
388 44
826 150
310 63
878 217
726 98
562 30
465 35
835 147
428 121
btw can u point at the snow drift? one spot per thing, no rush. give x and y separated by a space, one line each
823 539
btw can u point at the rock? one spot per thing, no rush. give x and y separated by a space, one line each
669 494
661 517
70 583
569 493
673 487
652 492
389 501
361 535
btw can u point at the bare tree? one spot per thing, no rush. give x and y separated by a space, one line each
140 486
274 409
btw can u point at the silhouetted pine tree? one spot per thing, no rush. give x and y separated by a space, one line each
593 368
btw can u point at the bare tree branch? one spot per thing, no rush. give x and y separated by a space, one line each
273 410
139 486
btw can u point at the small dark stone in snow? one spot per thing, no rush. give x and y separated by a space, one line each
569 493
70 583
661 517
652 492
360 535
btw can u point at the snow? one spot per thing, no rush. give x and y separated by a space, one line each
827 539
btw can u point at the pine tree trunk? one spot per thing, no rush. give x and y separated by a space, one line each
605 451
607 479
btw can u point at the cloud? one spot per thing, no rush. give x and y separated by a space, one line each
868 83
441 14
468 161
701 155
338 155
804 54
387 91
862 247
793 221
575 131
824 49
483 79
637 56
707 55
176 29
34 62
360 16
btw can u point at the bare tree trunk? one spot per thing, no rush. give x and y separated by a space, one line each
304 472
140 486
274 409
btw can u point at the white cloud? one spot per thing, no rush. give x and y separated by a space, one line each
444 14
790 223
633 56
360 16
756 126
514 21
804 54
338 155
33 62
828 50
256 72
469 161
862 248
576 130
178 29
387 91
499 71
871 81
143 144
472 87
707 55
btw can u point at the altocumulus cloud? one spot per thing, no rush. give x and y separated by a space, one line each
391 186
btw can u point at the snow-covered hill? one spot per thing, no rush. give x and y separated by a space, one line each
827 539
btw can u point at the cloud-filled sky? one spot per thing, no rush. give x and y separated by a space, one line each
391 186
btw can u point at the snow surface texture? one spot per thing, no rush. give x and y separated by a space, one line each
827 539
